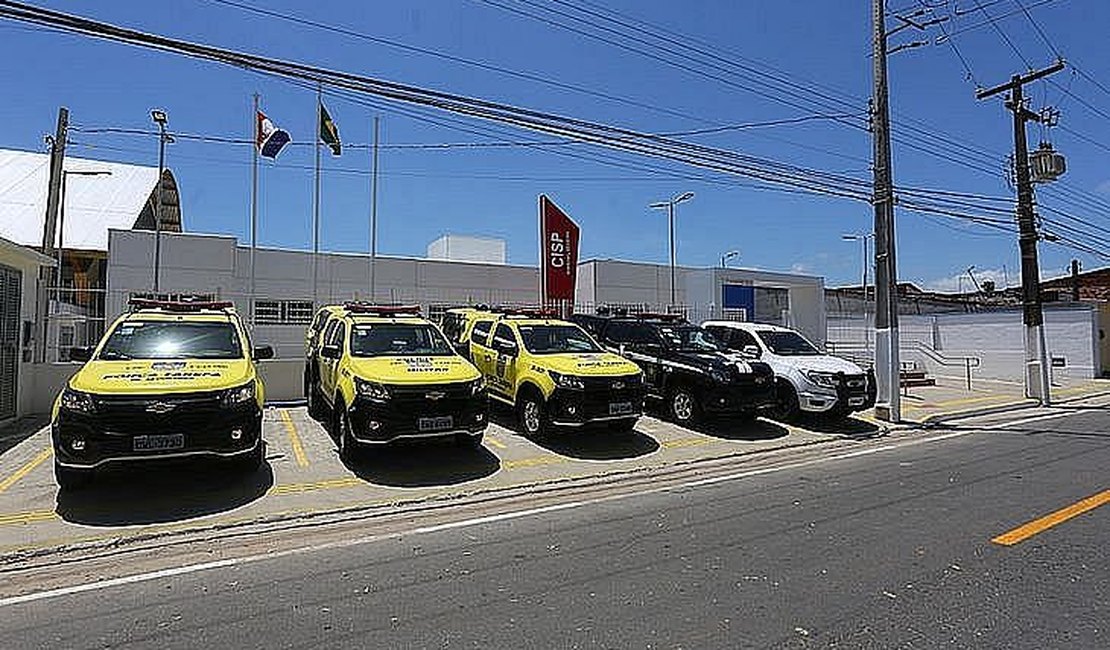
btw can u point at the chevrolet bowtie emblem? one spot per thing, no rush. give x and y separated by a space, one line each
435 395
160 407
618 385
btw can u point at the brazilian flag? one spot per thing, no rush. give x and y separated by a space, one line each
329 132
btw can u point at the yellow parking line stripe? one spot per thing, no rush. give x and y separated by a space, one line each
294 439
683 442
533 462
496 443
294 488
1024 532
27 517
26 469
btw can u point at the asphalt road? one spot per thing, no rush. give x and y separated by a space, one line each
883 550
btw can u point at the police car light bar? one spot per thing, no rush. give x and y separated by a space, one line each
663 317
526 312
180 305
382 310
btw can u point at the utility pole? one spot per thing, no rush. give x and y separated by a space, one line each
374 214
159 117
670 205
49 230
1036 356
887 364
888 367
1075 280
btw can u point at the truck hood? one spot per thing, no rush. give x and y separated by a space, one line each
819 363
414 370
724 361
137 377
591 364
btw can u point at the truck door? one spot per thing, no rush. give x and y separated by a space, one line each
480 352
507 350
330 366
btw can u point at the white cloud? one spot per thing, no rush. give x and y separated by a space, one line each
954 284
800 268
1103 187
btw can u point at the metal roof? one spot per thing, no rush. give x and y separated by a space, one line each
93 204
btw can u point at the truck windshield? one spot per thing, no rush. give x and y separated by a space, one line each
172 340
397 339
788 344
691 339
553 339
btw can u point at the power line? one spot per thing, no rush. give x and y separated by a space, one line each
1040 32
1002 34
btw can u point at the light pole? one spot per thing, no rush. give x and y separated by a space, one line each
669 205
862 239
728 256
160 118
62 214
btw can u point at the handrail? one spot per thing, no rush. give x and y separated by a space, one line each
968 362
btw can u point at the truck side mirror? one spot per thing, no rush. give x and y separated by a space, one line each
751 351
262 352
82 353
330 352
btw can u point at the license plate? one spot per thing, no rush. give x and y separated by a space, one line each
435 424
158 443
620 408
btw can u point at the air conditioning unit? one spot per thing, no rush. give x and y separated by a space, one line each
1046 165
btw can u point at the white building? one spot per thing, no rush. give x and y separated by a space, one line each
708 293
217 265
19 271
460 248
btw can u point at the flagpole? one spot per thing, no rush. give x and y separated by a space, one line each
254 202
316 202
374 213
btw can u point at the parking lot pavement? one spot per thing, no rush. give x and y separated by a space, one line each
303 476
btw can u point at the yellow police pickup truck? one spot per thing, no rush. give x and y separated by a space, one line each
384 374
168 380
554 374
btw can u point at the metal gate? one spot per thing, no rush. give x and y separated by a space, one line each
10 281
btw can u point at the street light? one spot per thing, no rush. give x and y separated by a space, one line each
862 239
66 173
669 205
160 118
728 256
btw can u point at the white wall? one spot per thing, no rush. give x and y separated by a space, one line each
461 248
1071 333
216 264
26 262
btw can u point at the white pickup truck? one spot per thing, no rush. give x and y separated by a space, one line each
808 380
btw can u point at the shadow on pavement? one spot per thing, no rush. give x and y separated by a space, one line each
16 432
424 464
742 429
848 427
161 492
598 443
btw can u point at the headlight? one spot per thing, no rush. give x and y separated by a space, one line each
239 395
76 401
824 379
371 390
567 381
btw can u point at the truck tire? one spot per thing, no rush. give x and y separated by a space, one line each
787 409
682 405
344 439
313 398
532 415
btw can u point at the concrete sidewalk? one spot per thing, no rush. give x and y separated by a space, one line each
950 398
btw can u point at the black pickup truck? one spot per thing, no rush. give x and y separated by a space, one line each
685 366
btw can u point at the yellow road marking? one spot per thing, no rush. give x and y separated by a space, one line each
294 439
683 442
1024 532
535 461
27 517
496 443
26 469
330 484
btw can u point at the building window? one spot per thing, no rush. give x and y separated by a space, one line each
67 334
283 312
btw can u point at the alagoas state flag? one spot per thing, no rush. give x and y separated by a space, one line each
269 139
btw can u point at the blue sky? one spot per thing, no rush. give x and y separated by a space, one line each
426 193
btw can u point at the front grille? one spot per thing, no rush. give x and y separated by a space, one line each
430 399
167 413
856 384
